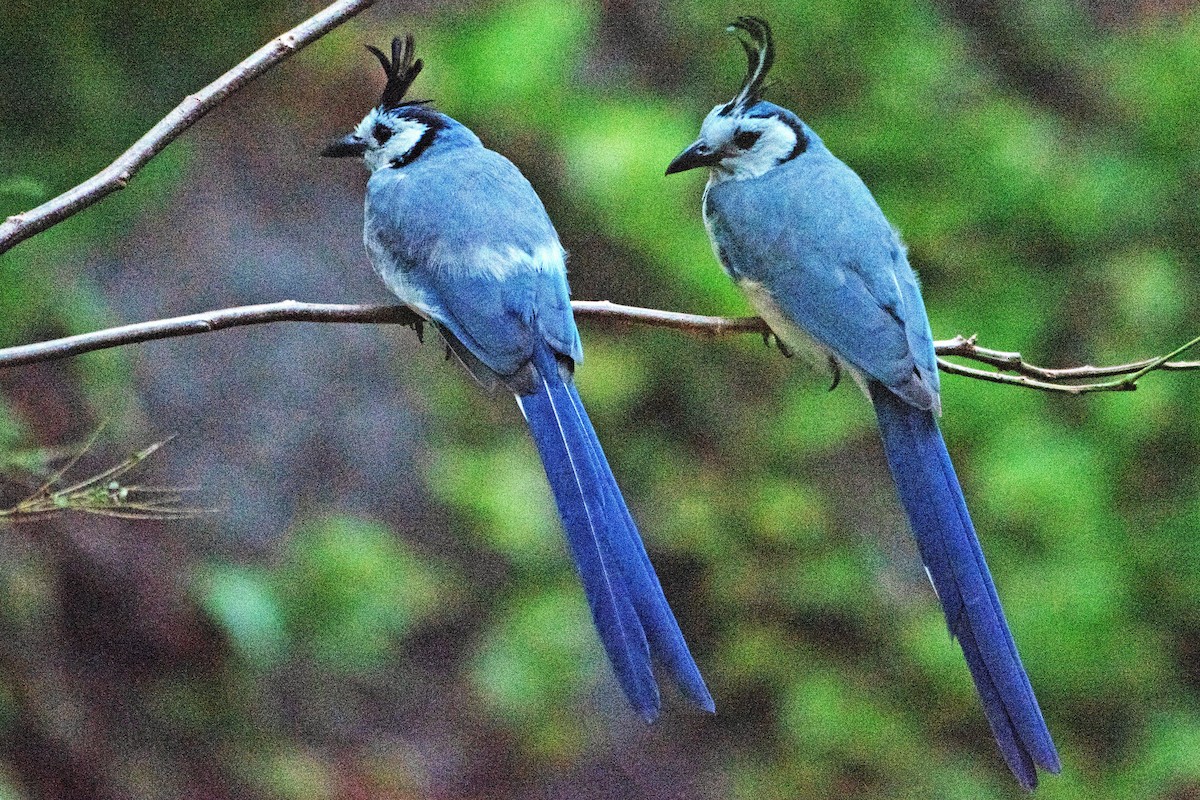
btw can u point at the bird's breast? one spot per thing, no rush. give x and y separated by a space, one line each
717 235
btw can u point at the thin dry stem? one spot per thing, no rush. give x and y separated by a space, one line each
102 493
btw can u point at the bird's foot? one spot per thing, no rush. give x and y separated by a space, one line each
784 350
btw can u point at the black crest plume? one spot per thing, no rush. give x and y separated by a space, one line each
401 71
760 55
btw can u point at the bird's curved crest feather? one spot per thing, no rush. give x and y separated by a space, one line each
760 55
401 71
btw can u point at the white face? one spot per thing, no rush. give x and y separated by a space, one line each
749 146
390 140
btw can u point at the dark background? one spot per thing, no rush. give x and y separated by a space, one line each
378 603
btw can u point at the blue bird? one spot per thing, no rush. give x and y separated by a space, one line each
803 237
458 234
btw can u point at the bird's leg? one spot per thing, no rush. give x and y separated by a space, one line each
418 327
783 348
837 373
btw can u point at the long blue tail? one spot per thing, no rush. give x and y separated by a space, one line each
931 495
627 602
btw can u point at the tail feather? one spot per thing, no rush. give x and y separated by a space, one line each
930 493
666 639
630 612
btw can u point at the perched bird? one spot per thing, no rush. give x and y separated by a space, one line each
458 234
802 236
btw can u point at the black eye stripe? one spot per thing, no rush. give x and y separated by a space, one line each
746 139
417 149
801 141
381 133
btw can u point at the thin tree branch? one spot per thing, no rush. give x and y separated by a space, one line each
204 322
1025 374
695 324
117 175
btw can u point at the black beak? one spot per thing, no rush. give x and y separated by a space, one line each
347 146
697 155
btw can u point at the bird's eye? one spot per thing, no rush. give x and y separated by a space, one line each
746 139
381 133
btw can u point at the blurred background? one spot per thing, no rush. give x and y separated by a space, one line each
378 604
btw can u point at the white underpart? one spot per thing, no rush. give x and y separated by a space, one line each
396 280
708 225
792 335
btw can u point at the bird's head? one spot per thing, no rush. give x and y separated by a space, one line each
747 136
397 131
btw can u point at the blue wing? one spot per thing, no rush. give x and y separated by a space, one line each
464 238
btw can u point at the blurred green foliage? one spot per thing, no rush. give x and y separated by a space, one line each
1062 223
345 593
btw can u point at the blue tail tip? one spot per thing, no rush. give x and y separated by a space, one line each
702 698
650 712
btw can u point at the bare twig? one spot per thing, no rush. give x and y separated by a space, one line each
117 175
695 324
1013 362
1024 374
1060 380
